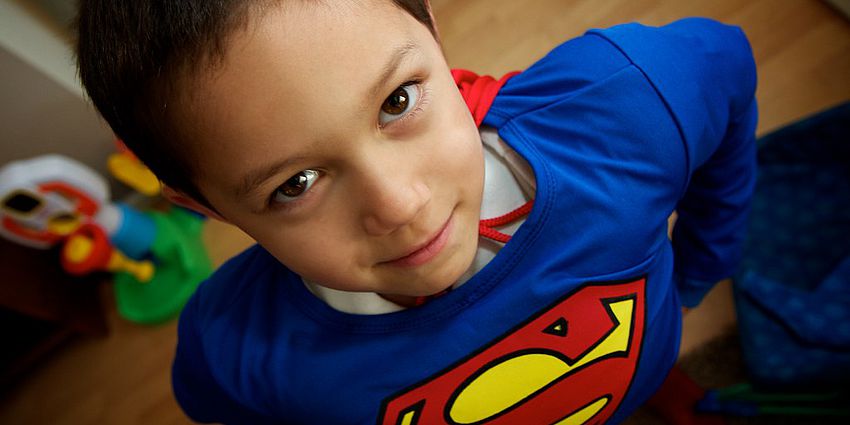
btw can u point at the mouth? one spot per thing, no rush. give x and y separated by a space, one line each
426 251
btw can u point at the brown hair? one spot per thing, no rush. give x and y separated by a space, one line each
130 53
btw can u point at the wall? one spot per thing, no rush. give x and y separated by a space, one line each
42 106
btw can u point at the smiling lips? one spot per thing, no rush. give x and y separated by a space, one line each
426 252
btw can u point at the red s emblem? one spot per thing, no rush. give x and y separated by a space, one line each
571 363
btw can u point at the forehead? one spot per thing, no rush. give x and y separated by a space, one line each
294 63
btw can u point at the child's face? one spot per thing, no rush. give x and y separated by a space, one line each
335 136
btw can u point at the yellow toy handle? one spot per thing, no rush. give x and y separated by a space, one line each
133 173
141 270
88 250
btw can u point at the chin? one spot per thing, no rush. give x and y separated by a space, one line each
428 287
452 273
436 282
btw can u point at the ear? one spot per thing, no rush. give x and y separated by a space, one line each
179 198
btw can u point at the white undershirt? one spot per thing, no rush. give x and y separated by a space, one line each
508 184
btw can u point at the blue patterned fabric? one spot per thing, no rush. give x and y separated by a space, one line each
793 290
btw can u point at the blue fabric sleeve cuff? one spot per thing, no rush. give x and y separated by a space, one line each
691 291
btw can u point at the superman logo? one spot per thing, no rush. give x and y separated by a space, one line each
570 363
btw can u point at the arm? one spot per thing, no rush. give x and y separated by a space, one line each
710 230
195 388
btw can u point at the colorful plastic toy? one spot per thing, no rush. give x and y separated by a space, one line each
127 168
157 257
744 400
89 249
44 199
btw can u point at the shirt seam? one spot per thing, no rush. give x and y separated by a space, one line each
664 101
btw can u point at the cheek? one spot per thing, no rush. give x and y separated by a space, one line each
461 151
323 248
311 256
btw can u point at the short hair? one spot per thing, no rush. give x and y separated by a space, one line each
131 54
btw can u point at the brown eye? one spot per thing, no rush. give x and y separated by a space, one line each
399 103
296 186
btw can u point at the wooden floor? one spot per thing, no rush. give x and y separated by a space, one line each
803 53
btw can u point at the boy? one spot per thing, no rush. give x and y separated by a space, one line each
335 135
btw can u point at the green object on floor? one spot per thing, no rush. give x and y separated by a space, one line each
181 265
744 400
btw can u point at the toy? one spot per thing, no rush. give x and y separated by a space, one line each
181 262
46 198
89 249
127 168
156 256
744 400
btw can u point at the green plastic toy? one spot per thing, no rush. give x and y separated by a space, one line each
181 264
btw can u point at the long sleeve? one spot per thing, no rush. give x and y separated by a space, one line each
712 216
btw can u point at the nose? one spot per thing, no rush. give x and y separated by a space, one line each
393 196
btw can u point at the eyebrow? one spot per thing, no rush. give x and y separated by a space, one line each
398 55
252 180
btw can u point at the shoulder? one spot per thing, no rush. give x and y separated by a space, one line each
694 56
694 50
567 69
231 284
685 38
223 329
703 70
